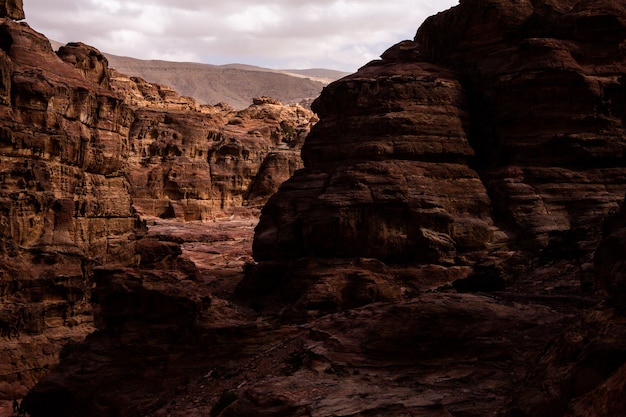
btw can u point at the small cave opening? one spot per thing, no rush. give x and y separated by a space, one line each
6 40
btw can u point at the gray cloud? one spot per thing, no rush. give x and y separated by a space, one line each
339 34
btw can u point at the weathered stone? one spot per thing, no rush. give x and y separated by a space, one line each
483 156
194 162
88 60
581 373
65 206
13 9
406 165
386 173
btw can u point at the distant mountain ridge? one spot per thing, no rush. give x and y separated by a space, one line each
234 84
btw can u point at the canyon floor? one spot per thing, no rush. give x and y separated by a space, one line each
434 353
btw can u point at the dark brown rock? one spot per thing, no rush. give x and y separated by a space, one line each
545 81
65 205
500 127
581 373
610 262
13 9
483 156
386 174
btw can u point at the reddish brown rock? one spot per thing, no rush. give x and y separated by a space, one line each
406 165
194 162
546 89
65 206
581 373
386 174
610 262
483 156
88 61
13 9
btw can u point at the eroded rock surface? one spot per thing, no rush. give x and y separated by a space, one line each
200 162
13 9
65 204
494 141
483 156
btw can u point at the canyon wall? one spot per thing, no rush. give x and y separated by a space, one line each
65 204
84 151
193 162
453 245
493 142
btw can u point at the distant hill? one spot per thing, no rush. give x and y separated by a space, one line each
235 84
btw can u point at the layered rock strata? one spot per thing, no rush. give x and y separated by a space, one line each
200 162
484 155
546 86
500 127
81 148
65 204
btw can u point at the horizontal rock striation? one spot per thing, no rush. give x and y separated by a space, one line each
193 162
494 140
546 88
65 204
483 156
82 150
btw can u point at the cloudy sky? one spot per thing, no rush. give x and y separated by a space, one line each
336 34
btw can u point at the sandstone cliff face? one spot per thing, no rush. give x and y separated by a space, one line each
81 148
65 205
546 85
482 156
496 136
13 9
199 162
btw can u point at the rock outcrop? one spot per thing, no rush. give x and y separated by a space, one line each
582 372
12 9
81 148
200 162
495 139
65 204
483 156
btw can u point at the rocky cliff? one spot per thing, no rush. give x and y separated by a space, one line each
493 141
65 204
84 151
452 247
194 162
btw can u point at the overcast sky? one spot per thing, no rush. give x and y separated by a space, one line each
336 34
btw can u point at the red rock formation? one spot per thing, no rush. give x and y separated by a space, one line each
88 61
546 86
483 155
65 205
70 142
194 162
582 372
13 9
406 165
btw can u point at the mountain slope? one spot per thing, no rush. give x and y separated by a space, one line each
235 84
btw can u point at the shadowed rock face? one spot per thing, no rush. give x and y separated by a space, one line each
13 9
501 127
546 89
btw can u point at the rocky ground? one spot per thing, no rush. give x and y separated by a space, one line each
437 352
